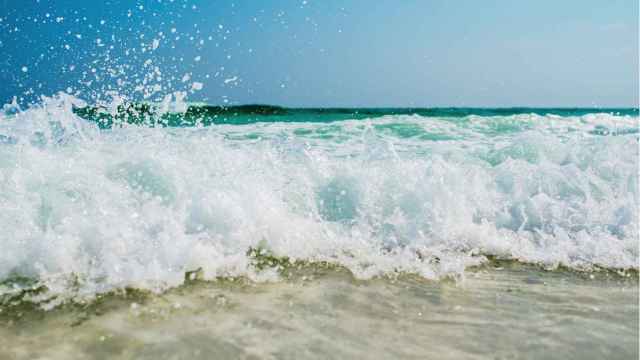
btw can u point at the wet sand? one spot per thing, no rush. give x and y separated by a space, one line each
497 311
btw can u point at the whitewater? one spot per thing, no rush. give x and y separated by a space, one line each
86 210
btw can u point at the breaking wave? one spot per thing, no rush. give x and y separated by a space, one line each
87 209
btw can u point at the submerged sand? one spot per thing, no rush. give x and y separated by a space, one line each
497 311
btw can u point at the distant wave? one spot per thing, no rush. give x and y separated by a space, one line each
205 115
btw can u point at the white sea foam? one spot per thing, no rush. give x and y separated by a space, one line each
139 206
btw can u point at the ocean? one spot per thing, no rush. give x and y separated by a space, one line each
182 230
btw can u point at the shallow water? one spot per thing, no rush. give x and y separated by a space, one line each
501 310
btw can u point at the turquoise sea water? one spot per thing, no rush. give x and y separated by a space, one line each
204 115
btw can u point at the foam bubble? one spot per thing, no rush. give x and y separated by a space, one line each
86 211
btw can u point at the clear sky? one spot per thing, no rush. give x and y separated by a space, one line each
325 53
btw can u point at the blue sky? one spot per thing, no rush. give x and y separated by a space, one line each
325 53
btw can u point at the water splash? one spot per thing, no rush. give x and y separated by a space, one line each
86 211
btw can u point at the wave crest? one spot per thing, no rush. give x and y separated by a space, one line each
86 211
